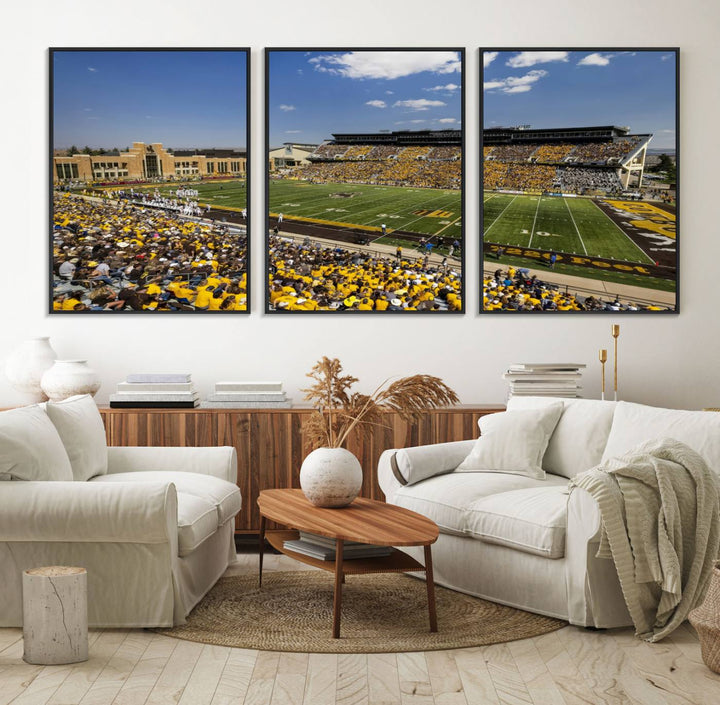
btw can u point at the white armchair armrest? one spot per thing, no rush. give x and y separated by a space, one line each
406 466
88 512
219 462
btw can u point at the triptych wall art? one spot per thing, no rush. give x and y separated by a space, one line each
365 181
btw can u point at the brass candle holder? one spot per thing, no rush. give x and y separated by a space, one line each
603 360
615 330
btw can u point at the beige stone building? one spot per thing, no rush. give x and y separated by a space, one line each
144 162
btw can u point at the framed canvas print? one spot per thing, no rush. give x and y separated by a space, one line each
149 180
364 181
580 161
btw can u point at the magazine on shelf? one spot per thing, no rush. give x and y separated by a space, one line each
326 553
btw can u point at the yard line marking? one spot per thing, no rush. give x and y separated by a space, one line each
575 224
532 232
498 218
447 226
644 254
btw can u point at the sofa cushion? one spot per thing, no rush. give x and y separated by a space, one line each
421 462
446 499
634 424
513 442
81 429
532 520
197 521
30 447
223 495
580 437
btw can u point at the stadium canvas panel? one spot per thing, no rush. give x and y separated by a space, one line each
365 181
579 180
149 180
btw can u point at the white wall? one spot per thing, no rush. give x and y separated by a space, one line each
665 360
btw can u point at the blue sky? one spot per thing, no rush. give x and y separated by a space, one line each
313 94
180 98
582 88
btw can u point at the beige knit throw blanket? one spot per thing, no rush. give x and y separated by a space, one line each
660 524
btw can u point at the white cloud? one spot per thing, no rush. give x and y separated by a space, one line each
447 121
515 84
389 92
488 58
595 59
92 70
386 64
525 59
293 132
376 103
418 104
447 88
286 108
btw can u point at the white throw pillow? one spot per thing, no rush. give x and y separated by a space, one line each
513 442
579 439
82 432
30 447
420 462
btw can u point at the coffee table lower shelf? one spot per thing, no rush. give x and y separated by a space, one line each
396 562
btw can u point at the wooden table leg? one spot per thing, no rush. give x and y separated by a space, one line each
337 597
261 548
430 588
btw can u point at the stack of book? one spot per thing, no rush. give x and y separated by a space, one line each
155 391
247 395
545 379
323 548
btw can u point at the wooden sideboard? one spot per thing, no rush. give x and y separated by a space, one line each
270 444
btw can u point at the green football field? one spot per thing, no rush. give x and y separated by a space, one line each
573 225
419 210
223 194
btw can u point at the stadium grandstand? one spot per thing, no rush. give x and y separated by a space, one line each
604 160
419 158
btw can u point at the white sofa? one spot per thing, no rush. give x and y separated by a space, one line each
154 527
527 541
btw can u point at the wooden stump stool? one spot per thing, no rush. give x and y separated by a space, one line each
55 615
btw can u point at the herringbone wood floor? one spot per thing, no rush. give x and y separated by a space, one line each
136 667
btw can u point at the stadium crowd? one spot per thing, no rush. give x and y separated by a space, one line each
307 276
513 289
419 166
112 255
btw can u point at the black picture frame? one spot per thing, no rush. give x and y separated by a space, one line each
198 93
355 234
650 229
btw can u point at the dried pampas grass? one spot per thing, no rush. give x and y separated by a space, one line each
338 410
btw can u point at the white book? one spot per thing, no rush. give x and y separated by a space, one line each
546 366
248 387
246 404
248 396
155 396
167 378
129 387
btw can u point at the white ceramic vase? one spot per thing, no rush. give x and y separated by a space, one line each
66 378
25 367
331 477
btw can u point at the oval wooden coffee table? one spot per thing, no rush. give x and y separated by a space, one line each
366 521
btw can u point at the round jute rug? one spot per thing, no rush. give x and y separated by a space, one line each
380 613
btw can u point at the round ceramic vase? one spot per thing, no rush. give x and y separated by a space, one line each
25 367
66 378
331 477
